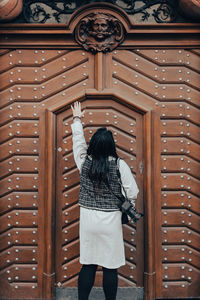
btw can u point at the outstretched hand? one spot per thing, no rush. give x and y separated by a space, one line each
76 110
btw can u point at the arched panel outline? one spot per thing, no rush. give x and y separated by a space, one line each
151 189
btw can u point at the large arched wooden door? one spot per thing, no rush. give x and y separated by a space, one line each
148 84
127 127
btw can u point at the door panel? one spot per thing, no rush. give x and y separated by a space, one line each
31 80
165 80
126 125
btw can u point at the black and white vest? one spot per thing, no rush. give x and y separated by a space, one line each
99 198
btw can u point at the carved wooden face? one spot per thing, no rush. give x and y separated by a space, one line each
100 28
99 32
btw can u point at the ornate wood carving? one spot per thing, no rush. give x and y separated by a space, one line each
99 32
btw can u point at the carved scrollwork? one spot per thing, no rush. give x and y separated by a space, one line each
99 32
58 11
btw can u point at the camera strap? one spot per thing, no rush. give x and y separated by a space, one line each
120 181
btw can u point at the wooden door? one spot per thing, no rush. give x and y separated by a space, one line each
151 81
127 127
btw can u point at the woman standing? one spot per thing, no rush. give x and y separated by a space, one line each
101 239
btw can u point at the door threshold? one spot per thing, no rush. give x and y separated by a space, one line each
97 294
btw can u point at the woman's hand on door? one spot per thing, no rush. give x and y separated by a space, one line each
76 110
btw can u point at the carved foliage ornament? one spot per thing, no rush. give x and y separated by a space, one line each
58 11
99 32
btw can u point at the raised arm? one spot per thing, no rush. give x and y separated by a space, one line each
78 139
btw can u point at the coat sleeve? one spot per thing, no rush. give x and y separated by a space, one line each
79 143
128 181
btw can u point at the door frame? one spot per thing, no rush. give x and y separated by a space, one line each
151 193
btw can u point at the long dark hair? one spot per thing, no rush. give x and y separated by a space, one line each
101 146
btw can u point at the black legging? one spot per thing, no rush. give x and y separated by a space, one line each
86 281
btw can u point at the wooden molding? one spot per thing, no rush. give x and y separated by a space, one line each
49 207
58 35
149 273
